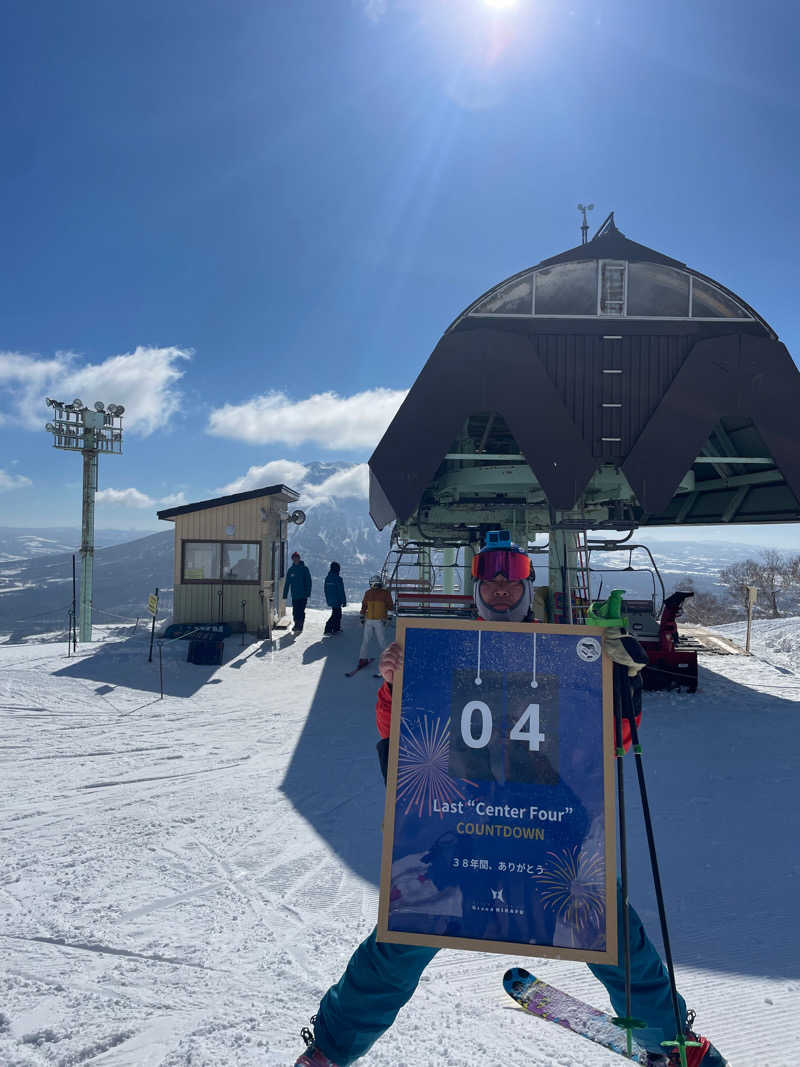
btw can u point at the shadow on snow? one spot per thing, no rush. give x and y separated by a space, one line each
720 770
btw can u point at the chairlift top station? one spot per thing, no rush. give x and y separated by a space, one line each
606 388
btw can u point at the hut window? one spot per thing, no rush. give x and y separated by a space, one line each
240 562
279 551
201 561
568 289
221 561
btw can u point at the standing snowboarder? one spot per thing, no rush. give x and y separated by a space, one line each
298 581
375 608
335 599
382 976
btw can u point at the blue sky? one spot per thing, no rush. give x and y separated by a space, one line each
251 222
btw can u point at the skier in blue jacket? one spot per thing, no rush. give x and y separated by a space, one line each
298 581
335 599
382 976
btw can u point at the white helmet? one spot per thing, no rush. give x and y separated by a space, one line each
375 581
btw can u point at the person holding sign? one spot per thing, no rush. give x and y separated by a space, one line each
383 975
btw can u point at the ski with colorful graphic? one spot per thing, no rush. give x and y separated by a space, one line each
360 667
539 998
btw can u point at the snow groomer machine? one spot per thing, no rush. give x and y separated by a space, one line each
605 390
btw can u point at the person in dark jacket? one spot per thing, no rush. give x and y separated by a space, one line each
335 599
298 582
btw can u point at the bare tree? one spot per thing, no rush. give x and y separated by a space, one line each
738 576
771 576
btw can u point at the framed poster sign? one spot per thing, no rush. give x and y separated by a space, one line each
499 831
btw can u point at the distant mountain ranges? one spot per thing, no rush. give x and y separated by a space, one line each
36 564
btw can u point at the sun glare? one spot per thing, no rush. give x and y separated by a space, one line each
500 5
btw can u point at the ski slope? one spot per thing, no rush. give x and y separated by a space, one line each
182 879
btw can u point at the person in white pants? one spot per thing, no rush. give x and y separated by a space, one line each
375 608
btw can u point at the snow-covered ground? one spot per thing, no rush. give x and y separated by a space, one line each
182 878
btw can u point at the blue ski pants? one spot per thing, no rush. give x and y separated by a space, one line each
381 977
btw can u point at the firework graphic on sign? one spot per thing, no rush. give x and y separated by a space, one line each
574 887
422 766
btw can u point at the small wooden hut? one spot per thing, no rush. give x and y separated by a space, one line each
231 558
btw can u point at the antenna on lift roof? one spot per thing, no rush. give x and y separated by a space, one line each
585 225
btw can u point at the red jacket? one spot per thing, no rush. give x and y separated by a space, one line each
383 716
383 710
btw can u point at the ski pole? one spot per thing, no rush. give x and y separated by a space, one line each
626 1022
630 715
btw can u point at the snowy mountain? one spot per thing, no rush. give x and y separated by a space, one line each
339 530
19 543
36 594
36 591
184 878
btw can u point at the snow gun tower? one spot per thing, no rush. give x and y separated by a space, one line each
607 388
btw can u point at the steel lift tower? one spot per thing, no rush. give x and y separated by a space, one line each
76 428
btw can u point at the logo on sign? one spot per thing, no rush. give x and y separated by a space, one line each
497 894
588 649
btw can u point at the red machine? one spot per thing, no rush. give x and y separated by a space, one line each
671 666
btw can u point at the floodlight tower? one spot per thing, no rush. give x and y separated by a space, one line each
77 428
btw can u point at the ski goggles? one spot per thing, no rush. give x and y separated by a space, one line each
515 566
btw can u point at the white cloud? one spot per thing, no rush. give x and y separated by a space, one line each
126 498
144 381
326 419
12 481
133 498
276 472
352 483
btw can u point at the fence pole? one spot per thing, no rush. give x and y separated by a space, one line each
161 668
152 635
244 624
69 634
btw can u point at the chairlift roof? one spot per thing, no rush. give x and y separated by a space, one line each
612 360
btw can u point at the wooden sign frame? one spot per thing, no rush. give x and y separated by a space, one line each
605 767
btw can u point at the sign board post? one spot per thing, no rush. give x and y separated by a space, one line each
499 830
752 596
152 607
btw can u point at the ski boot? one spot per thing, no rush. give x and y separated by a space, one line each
313 1056
702 1054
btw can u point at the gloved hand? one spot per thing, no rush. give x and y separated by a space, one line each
625 650
362 619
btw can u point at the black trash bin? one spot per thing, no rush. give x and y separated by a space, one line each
205 648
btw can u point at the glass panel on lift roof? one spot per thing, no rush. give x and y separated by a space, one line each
515 298
655 290
567 289
708 302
